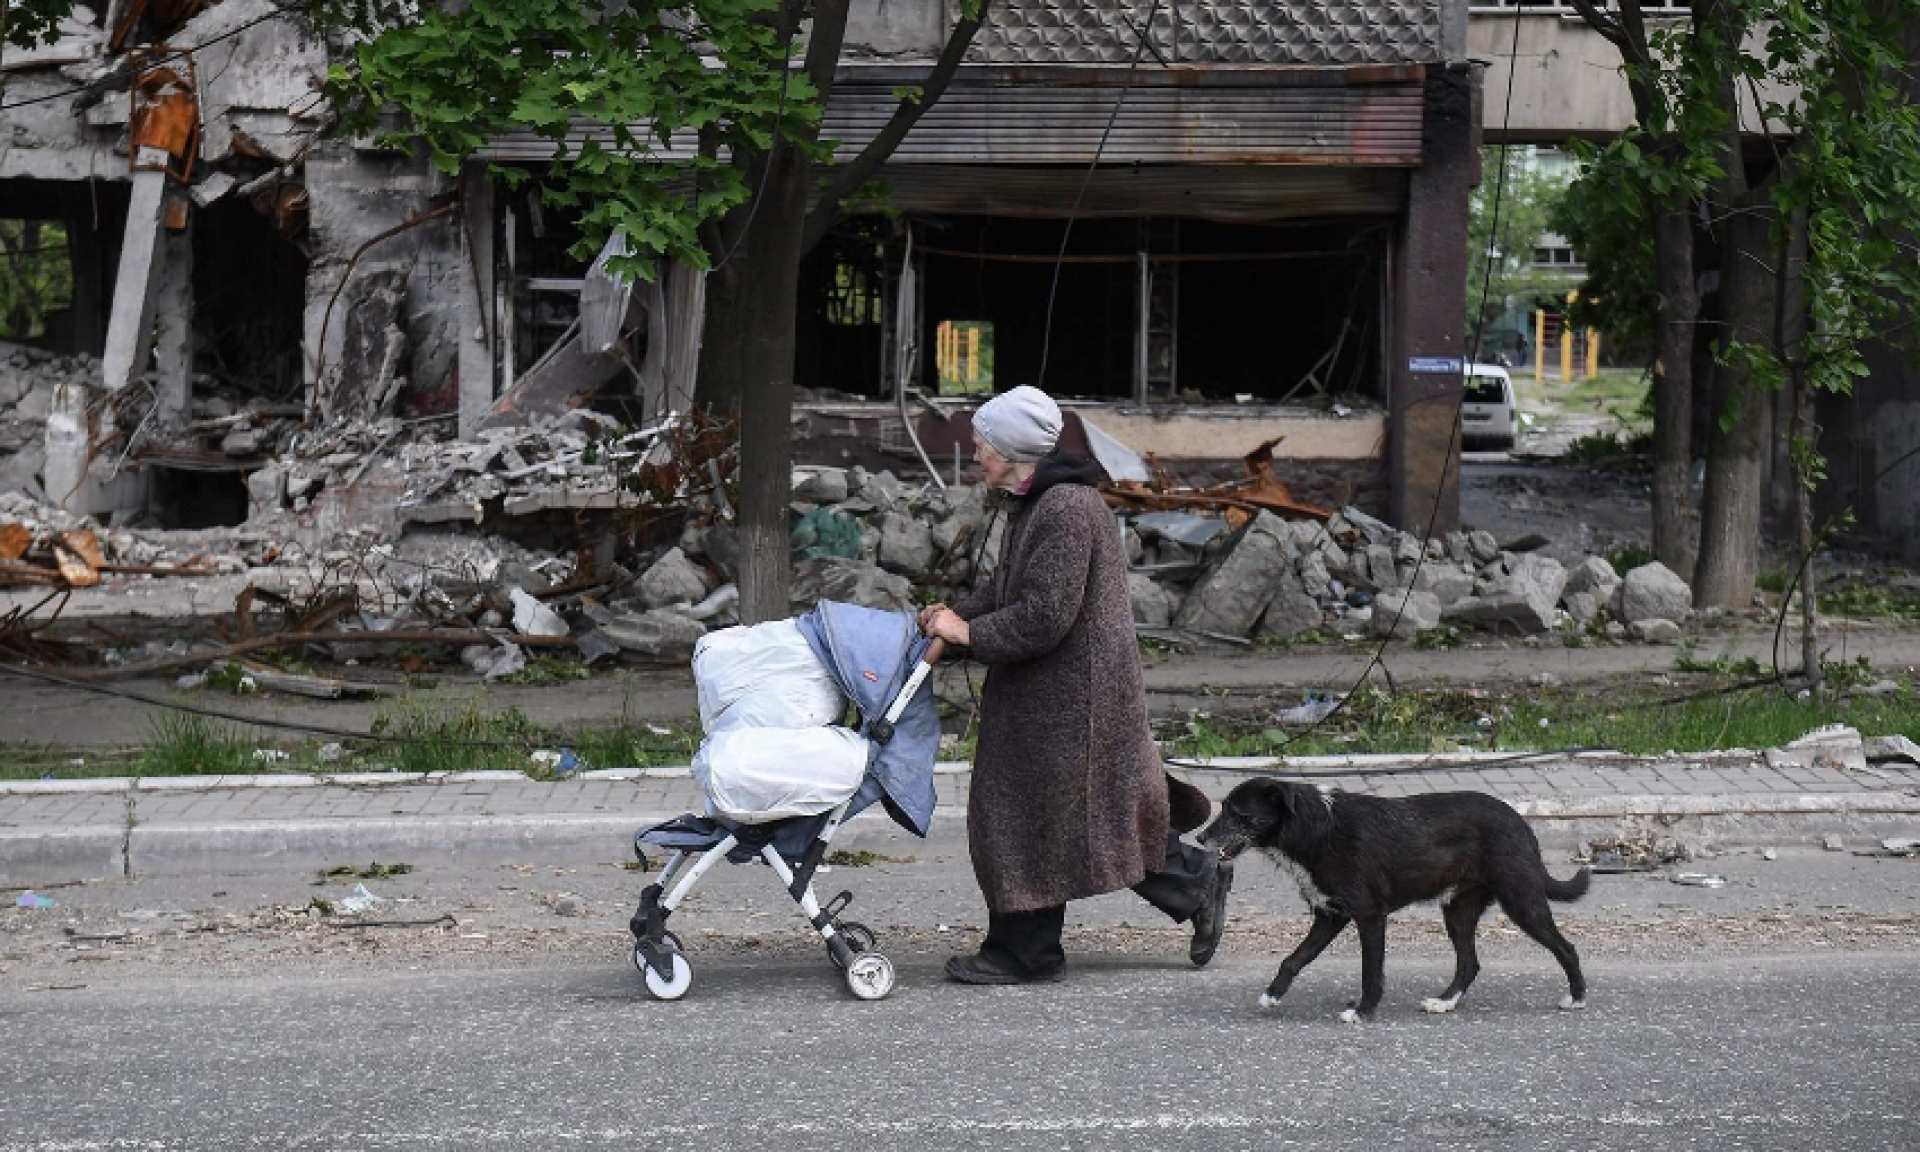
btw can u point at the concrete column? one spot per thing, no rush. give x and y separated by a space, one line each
477 371
130 326
173 340
1425 373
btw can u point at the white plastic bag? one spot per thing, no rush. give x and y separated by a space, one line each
765 676
759 775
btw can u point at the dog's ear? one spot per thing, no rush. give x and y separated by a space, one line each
1268 802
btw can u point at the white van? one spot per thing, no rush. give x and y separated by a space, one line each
1489 416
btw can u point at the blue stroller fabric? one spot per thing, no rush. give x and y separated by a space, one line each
870 654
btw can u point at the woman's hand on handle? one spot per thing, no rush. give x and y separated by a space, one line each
943 623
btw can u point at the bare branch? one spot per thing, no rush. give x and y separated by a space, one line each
853 175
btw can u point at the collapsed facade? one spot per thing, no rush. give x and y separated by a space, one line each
1271 244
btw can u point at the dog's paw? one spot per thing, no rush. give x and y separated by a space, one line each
1269 1000
1352 1016
1439 1005
1569 1004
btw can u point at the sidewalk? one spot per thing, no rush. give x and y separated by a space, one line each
186 826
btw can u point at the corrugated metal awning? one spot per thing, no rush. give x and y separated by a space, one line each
1057 115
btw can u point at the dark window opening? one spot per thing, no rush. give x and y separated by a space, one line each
184 499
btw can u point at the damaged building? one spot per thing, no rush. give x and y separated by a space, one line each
1270 246
1267 205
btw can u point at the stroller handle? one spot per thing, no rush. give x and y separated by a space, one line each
882 731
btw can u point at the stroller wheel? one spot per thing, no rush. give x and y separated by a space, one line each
858 936
671 988
870 976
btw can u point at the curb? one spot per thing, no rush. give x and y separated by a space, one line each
181 850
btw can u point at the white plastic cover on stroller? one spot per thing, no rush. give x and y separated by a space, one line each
881 661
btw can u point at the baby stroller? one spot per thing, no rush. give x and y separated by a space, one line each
881 661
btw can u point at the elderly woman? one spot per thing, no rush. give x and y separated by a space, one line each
1069 797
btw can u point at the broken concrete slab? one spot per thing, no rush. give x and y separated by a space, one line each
673 579
658 634
850 581
1292 611
1652 592
1836 748
1882 749
1655 631
532 618
1231 597
1405 614
1592 575
906 544
1151 607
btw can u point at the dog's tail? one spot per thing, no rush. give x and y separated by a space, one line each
1565 890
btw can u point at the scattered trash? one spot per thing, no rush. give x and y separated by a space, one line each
1699 879
1833 843
360 900
270 756
1311 712
373 871
1769 854
330 753
32 900
1642 854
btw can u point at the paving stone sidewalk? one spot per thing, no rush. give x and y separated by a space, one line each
186 825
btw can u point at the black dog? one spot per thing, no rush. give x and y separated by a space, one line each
1361 858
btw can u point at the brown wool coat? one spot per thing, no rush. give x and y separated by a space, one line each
1069 797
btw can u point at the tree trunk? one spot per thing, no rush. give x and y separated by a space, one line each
1675 534
1737 436
766 331
717 385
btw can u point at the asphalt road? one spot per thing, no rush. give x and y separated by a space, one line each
1781 1011
1788 1052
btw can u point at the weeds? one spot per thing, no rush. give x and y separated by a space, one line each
373 871
1746 667
1439 722
1602 447
433 738
182 744
1630 557
1869 600
547 671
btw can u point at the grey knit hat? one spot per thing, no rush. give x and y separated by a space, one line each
1022 424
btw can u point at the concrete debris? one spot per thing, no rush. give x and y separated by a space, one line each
532 618
658 634
1652 592
1835 748
1882 749
673 579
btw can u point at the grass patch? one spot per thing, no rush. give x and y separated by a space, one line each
1602 447
547 671
1878 601
1628 558
1687 659
1443 721
46 762
430 736
183 744
1624 394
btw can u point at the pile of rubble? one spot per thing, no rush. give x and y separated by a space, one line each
1353 574
28 378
